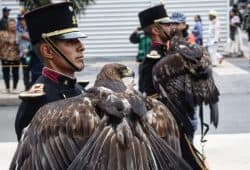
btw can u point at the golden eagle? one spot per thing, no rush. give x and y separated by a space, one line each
184 80
110 127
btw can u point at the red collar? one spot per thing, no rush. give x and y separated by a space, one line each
51 74
156 44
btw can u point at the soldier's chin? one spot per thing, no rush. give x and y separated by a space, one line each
80 67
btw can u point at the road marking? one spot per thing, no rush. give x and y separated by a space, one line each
227 68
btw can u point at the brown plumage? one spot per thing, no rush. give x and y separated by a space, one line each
102 129
111 77
184 80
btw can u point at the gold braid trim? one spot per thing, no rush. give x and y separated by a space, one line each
59 32
154 96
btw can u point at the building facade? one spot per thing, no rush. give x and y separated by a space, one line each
108 23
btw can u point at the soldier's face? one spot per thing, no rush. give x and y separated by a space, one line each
73 50
167 28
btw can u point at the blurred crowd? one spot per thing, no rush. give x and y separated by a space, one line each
238 43
16 52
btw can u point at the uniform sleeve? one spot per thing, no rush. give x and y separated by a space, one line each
147 76
134 37
25 113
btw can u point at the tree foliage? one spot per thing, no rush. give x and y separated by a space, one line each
78 4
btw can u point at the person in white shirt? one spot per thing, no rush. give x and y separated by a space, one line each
213 38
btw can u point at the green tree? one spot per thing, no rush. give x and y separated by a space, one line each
78 4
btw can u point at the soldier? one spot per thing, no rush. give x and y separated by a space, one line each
55 35
155 23
168 72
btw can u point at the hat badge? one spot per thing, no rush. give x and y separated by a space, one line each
66 82
71 8
153 54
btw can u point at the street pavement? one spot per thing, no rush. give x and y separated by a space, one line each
227 147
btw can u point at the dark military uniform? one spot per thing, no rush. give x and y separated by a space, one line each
55 87
157 51
154 15
51 85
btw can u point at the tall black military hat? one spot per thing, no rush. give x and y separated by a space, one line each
53 21
152 15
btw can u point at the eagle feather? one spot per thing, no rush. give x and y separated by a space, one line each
102 129
185 78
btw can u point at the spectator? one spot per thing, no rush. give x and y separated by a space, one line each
179 21
4 19
213 38
246 23
9 55
36 65
235 8
23 44
246 26
143 41
197 30
22 12
234 23
234 31
243 8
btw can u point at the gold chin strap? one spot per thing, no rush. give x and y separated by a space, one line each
59 52
154 96
158 25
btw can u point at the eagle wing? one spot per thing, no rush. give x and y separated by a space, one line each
186 82
132 141
56 134
101 129
164 124
127 146
157 116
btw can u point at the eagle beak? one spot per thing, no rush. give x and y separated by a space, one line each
128 73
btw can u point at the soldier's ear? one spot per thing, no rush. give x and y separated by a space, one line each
155 30
46 51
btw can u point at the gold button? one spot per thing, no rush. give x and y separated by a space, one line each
66 82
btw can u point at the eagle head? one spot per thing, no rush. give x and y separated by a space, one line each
114 71
112 76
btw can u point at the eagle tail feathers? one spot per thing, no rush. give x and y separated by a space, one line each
214 114
165 156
